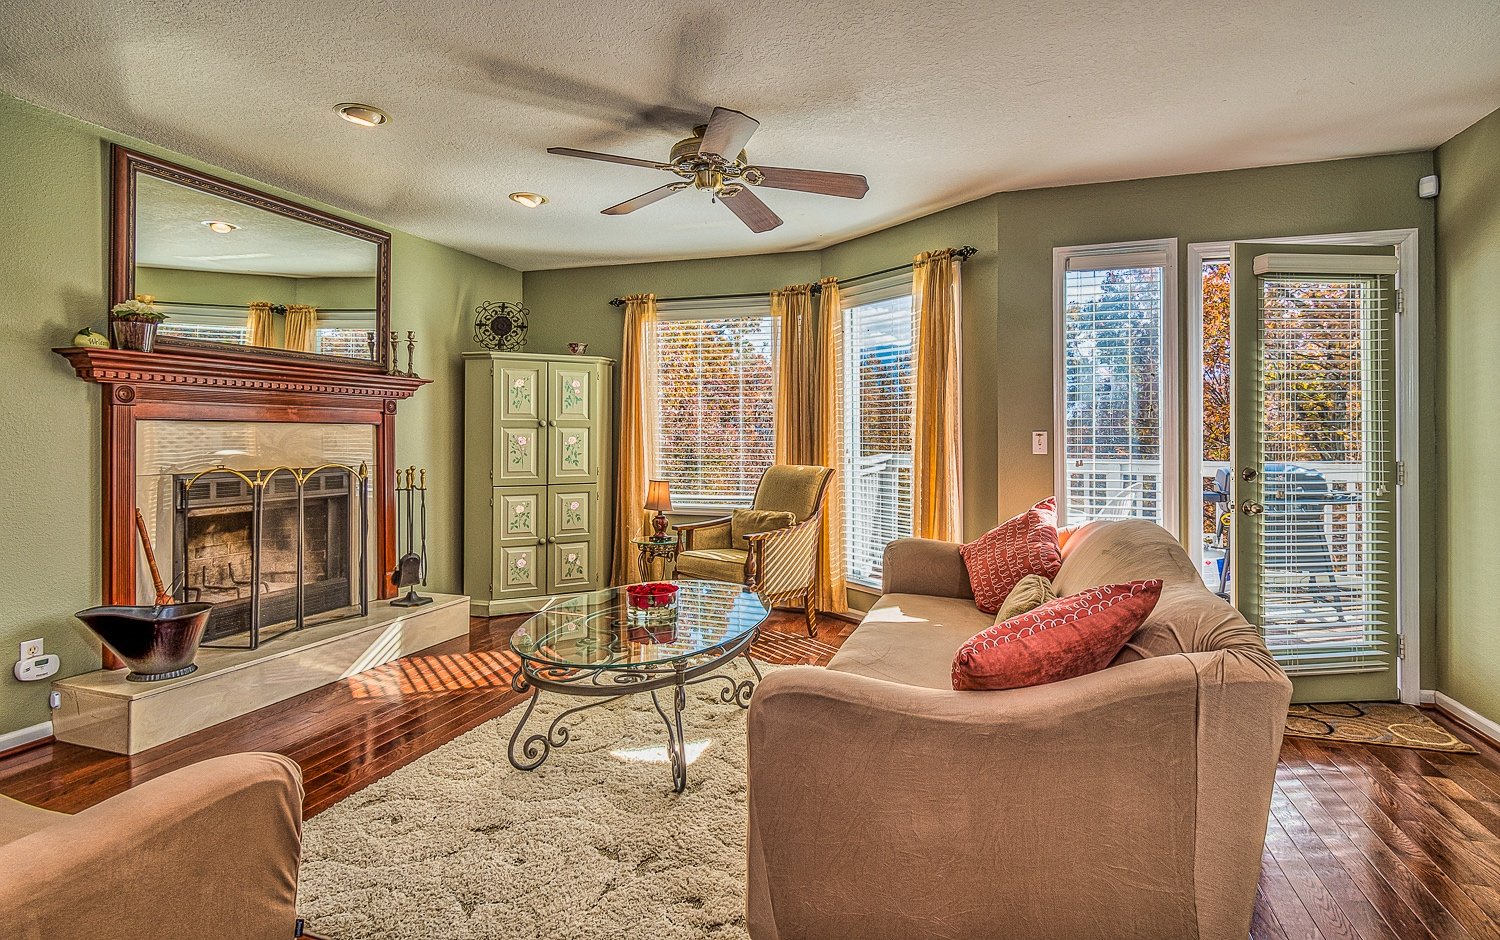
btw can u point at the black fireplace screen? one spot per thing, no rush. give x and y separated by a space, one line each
272 548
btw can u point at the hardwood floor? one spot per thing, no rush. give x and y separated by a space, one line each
1364 842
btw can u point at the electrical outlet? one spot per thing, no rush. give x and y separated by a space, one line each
1038 442
31 649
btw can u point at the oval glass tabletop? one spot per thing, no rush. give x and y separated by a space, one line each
600 630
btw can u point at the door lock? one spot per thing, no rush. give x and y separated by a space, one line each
1251 508
1248 474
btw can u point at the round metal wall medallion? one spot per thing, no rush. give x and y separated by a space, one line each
500 324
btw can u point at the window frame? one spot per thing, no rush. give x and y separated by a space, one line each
1130 254
714 308
891 287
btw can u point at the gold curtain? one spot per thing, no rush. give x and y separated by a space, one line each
796 374
259 324
301 327
637 450
935 430
808 399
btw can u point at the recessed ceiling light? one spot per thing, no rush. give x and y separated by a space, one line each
361 114
529 200
222 228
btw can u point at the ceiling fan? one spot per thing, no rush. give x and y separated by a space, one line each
713 159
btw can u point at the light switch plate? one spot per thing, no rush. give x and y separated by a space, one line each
1038 442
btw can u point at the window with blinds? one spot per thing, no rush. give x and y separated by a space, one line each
1114 374
715 387
1325 553
338 341
877 409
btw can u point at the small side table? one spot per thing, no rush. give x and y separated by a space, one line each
649 551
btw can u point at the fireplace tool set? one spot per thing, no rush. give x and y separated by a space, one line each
158 641
411 567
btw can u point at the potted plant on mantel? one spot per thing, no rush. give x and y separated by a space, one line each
133 323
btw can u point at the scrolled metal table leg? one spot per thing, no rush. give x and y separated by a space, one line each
676 749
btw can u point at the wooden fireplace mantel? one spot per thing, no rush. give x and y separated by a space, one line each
230 385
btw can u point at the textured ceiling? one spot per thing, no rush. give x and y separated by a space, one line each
935 102
169 233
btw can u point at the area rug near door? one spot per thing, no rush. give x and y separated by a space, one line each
1384 723
459 844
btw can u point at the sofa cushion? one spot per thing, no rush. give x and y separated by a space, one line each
743 522
1066 638
1029 593
999 559
714 564
911 639
18 819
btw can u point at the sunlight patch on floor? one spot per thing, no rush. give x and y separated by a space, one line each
658 754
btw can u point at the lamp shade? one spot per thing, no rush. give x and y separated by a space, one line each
659 496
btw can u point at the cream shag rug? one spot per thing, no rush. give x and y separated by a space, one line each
459 844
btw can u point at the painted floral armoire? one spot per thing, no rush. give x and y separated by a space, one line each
536 446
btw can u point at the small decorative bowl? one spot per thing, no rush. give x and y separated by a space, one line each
651 594
577 349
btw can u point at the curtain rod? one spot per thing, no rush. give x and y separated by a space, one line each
183 303
963 254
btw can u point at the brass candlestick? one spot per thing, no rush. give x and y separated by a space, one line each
394 366
411 348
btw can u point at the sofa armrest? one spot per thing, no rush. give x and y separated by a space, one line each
1065 810
924 566
712 533
210 850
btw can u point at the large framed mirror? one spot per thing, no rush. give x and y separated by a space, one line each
233 268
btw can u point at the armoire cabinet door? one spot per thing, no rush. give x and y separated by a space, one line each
522 570
520 455
572 567
519 528
572 416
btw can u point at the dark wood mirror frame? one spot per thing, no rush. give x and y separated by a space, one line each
126 167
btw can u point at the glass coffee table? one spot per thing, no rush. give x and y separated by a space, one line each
598 647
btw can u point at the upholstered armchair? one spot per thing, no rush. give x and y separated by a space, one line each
773 549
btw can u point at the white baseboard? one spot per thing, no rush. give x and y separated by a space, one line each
1426 697
23 736
1468 716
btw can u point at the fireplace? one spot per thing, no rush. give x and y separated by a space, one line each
271 549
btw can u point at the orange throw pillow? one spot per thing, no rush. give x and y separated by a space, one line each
1000 558
1062 639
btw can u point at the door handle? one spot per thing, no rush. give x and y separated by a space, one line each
1251 508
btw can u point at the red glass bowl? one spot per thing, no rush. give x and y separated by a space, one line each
652 594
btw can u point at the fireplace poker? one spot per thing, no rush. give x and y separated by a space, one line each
163 598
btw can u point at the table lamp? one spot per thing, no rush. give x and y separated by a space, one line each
659 500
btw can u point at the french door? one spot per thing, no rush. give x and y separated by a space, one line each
1314 462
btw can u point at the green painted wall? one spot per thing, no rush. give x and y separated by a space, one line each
54 245
1468 561
176 285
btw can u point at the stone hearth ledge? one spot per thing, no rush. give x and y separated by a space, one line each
103 710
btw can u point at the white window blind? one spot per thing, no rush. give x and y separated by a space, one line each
1114 311
200 322
338 341
714 435
1325 556
877 412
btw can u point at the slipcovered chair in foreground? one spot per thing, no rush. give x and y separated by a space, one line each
211 850
1129 803
780 564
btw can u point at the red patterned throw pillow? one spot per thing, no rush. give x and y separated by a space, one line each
1062 639
1000 558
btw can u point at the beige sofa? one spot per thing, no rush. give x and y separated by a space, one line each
1130 803
210 850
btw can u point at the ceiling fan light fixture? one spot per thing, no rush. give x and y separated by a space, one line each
362 114
219 227
529 200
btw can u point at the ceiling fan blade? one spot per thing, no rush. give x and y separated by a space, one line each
727 133
756 215
645 199
606 157
848 185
